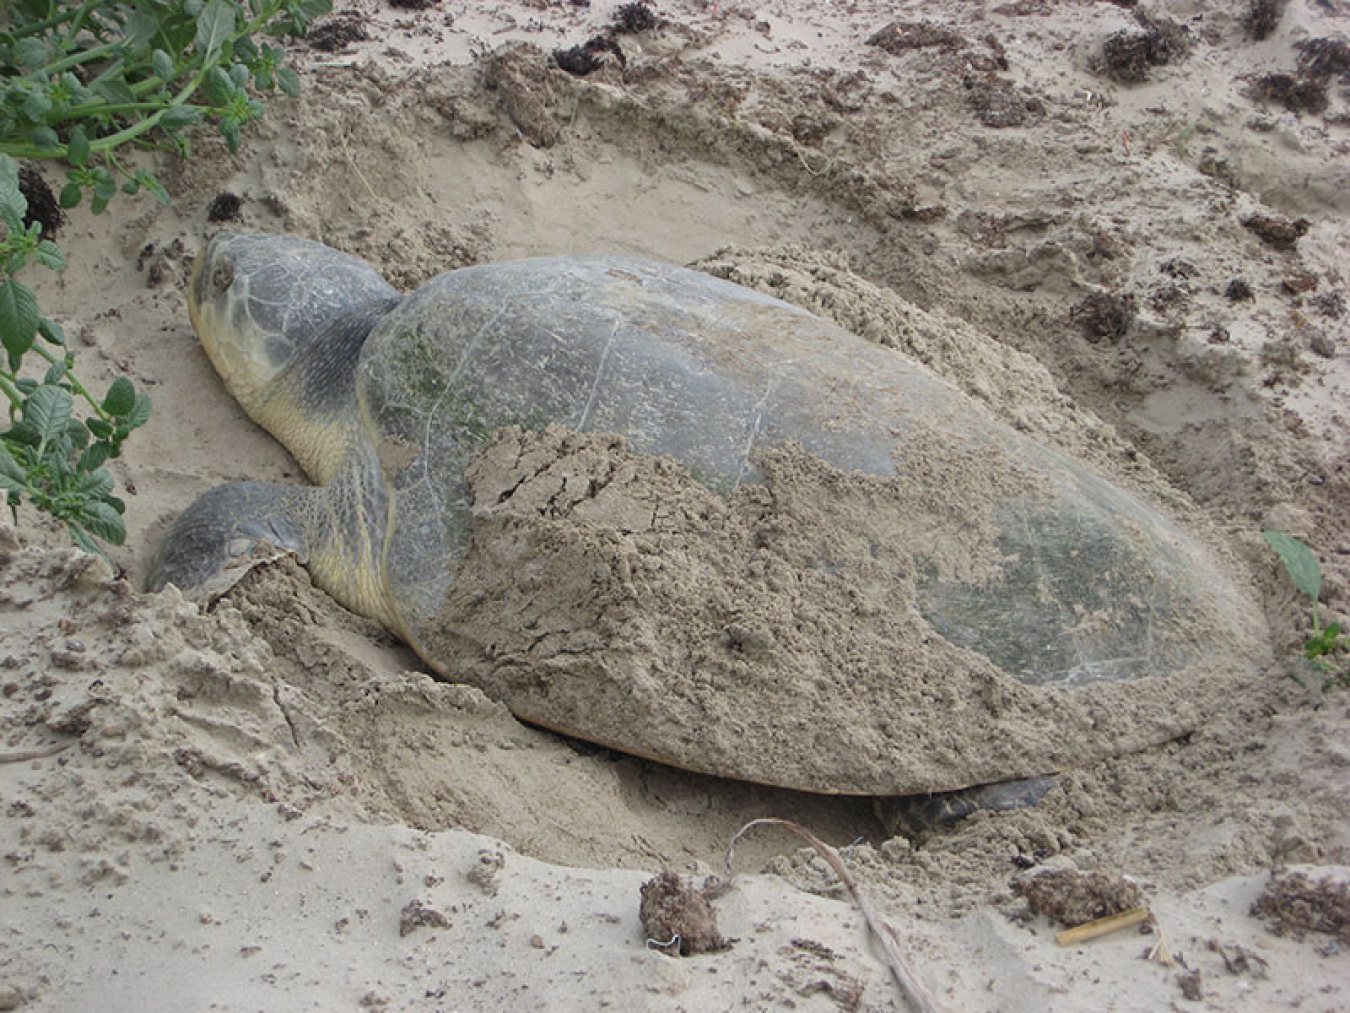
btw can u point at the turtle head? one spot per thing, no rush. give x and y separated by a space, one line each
283 320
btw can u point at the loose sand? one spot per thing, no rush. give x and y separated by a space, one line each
271 805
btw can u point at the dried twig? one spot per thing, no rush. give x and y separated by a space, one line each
911 987
1103 926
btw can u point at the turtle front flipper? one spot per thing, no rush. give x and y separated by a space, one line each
228 531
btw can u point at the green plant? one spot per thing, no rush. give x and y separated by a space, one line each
80 82
1324 642
48 456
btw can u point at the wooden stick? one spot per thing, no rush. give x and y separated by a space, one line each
1103 926
911 987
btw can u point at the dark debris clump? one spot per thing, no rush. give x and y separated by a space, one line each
416 914
1297 93
632 18
225 207
1294 904
1280 233
1323 58
1330 304
1071 897
335 34
1262 17
1128 55
998 102
43 207
677 919
1104 315
902 36
1319 60
590 56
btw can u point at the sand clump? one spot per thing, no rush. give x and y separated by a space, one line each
614 597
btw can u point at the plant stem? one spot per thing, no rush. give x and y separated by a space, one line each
80 112
74 60
72 379
11 391
81 16
41 26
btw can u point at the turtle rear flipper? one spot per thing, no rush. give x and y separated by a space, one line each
918 815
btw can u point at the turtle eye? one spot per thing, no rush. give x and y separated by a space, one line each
222 276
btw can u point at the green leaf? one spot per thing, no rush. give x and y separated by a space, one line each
115 91
289 81
18 318
139 414
71 195
99 428
1299 562
179 116
30 52
36 105
215 25
76 435
229 130
11 197
47 411
155 187
97 484
140 28
121 397
102 521
51 331
44 137
82 540
77 148
302 12
50 255
55 372
12 476
162 64
94 456
217 87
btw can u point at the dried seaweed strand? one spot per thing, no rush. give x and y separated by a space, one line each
911 987
35 754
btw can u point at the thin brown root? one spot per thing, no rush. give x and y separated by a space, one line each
1103 926
35 754
911 987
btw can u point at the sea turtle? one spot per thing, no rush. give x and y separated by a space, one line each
656 510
